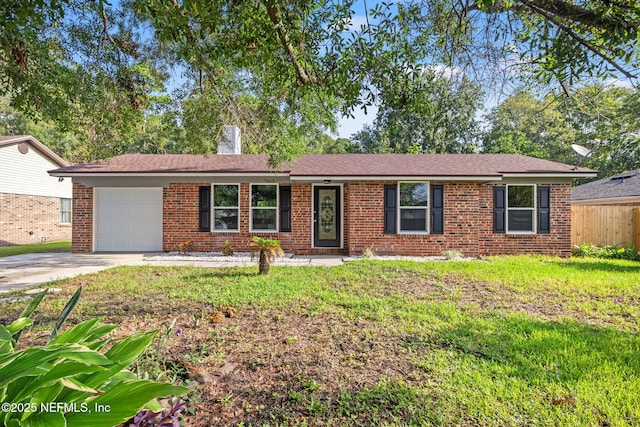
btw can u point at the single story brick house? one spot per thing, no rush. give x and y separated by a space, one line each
34 206
409 204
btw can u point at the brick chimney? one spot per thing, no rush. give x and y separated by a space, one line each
231 141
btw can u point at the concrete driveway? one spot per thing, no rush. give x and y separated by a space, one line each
21 271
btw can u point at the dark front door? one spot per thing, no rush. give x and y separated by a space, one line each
326 217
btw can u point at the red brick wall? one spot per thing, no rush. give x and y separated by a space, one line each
180 218
468 224
366 223
82 235
468 217
557 242
30 219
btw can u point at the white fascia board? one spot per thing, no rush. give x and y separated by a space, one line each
161 174
608 201
551 175
393 178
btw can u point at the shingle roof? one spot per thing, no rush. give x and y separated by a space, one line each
173 163
17 139
329 165
424 164
620 186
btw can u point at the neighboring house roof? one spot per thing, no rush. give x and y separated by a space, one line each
334 166
623 188
17 139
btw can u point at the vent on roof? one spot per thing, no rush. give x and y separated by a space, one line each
624 176
231 141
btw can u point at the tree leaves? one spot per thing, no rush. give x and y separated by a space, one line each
603 118
283 71
436 115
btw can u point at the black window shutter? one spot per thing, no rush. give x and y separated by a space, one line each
285 209
390 208
437 209
499 209
544 210
204 209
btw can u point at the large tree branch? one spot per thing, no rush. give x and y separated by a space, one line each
283 37
585 43
571 12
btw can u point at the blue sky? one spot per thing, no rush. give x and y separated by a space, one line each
348 126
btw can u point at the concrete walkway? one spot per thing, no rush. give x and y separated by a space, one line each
22 271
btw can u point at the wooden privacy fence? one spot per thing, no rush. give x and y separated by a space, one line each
606 225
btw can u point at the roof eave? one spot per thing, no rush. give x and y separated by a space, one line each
315 178
550 175
38 146
162 174
607 200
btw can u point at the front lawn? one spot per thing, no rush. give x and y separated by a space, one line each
503 342
56 246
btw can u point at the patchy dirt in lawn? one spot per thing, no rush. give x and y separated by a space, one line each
595 310
264 366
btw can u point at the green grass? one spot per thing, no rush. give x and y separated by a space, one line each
57 246
516 341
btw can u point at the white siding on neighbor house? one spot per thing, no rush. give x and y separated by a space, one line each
27 174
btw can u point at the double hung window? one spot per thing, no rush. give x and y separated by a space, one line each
414 207
65 211
226 207
264 207
521 208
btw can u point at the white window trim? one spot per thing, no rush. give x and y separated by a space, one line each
213 210
276 208
534 210
426 208
70 210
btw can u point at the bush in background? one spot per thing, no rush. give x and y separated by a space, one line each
609 252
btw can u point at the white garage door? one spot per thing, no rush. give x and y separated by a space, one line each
128 219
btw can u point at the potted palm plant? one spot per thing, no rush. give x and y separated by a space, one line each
267 251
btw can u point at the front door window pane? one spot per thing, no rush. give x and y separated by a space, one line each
328 229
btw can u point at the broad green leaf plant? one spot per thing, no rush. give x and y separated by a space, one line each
78 378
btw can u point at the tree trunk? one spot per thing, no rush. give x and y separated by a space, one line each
263 263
